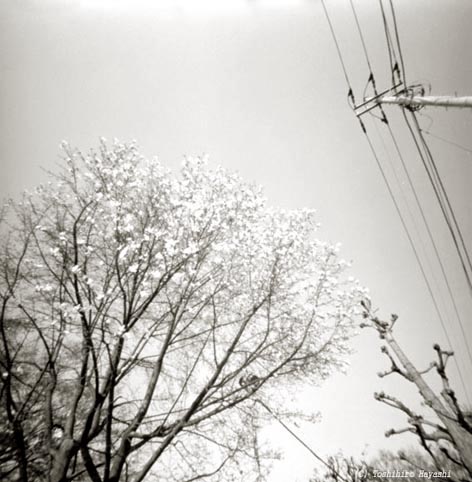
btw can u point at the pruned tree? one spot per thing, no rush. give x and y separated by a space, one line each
449 431
143 315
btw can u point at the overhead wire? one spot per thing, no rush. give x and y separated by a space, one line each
417 256
397 38
438 187
350 93
302 442
432 173
385 120
402 76
447 141
405 199
424 161
361 35
433 243
442 268
426 116
441 196
410 239
441 184
402 191
391 51
410 182
371 78
398 210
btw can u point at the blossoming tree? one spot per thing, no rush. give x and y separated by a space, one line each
145 315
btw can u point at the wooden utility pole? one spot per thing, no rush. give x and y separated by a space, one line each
411 100
416 101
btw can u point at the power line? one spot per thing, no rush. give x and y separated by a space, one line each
438 187
400 185
442 197
402 220
434 175
435 248
371 79
438 257
445 195
302 442
415 252
433 164
452 143
385 120
361 37
391 51
439 198
397 37
341 60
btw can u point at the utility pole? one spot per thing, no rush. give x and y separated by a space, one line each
416 101
412 98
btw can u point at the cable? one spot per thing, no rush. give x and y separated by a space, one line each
371 79
415 252
438 257
456 224
294 435
434 182
350 92
431 237
391 51
442 198
440 193
453 224
418 203
397 37
361 37
435 188
446 140
400 185
426 116
433 172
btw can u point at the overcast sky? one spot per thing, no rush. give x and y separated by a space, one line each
258 87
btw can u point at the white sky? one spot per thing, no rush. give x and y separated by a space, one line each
257 86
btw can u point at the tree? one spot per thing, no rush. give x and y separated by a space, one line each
339 468
446 436
449 431
144 315
409 465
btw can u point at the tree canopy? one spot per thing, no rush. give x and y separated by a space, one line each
144 314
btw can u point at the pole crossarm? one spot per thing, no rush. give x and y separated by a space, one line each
373 102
